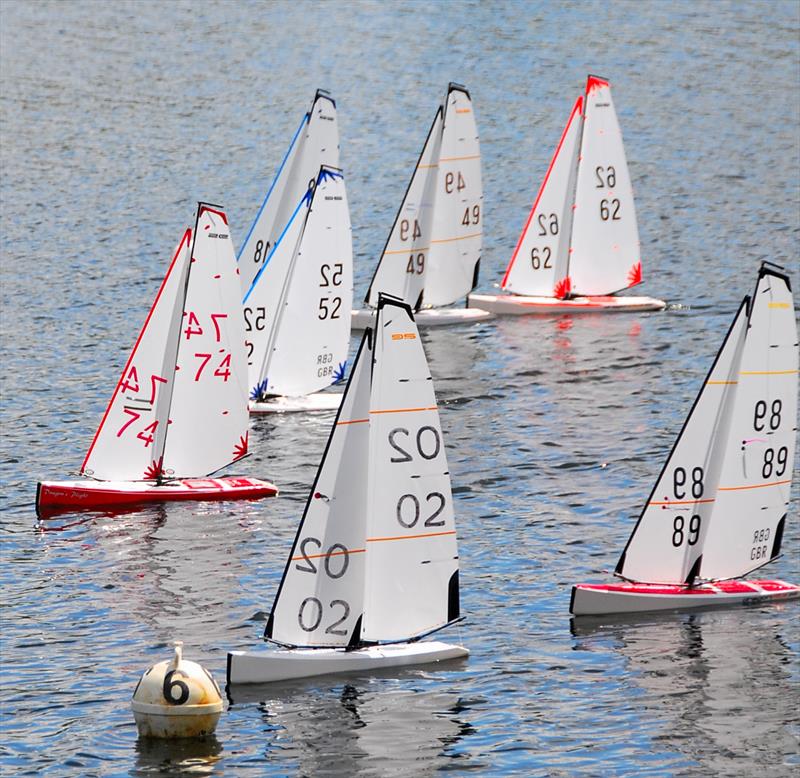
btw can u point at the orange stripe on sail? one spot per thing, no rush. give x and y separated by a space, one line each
411 537
755 486
768 372
333 553
352 421
458 159
461 237
717 383
409 250
682 502
406 410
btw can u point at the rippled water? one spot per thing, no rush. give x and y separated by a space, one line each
117 116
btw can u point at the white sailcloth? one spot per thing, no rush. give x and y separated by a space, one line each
669 537
128 442
539 265
306 347
321 595
315 143
456 238
263 300
411 584
401 270
605 252
208 412
750 510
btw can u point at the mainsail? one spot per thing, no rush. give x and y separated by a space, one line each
375 558
315 143
297 312
751 503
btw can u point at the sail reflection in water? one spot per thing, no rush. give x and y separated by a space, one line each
689 677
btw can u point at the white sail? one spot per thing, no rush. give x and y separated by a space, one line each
208 411
751 503
411 585
315 143
312 326
605 252
540 260
401 270
668 539
456 238
262 302
127 444
321 595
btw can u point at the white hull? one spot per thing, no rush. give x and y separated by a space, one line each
521 305
592 600
427 317
310 403
284 664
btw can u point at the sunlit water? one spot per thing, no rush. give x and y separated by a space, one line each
116 117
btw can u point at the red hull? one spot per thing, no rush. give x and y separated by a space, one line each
57 496
606 599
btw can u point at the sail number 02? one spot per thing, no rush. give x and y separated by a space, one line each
428 445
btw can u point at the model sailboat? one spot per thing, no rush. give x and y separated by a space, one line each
297 309
580 244
718 509
374 566
432 255
179 409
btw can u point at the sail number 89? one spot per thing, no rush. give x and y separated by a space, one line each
679 482
678 534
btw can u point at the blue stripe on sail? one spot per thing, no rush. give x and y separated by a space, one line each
306 199
304 120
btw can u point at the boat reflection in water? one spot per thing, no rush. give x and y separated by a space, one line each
711 684
381 724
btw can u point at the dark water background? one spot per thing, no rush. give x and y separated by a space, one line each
117 116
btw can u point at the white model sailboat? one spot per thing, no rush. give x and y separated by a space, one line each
297 309
433 251
718 509
374 566
179 409
580 244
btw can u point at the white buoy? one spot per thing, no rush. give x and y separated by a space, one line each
176 699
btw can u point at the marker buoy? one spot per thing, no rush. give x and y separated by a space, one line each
175 699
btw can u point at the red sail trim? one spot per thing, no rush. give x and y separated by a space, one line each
576 109
205 208
594 82
635 275
187 236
